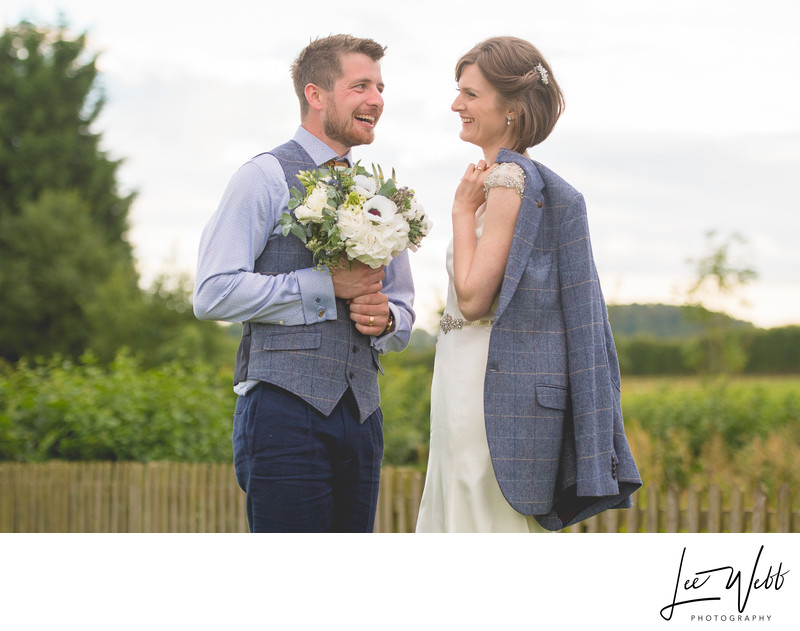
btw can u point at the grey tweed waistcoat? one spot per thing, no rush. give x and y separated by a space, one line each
316 362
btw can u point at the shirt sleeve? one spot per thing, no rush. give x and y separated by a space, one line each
227 287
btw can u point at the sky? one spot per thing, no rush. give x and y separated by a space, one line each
682 118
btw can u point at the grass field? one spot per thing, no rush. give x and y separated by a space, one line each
777 383
687 430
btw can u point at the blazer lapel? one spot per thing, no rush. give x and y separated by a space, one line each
530 214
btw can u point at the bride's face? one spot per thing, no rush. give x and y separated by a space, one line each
483 118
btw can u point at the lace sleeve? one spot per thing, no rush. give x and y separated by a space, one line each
507 174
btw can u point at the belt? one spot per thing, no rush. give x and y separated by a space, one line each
448 323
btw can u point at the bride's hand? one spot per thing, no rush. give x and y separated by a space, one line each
469 194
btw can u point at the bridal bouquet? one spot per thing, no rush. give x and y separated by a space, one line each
348 212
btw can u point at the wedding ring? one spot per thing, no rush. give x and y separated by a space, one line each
372 320
479 168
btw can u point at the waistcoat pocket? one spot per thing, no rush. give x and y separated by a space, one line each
289 341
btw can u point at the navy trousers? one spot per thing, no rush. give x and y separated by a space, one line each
303 471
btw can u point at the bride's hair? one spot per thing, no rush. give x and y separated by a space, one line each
524 82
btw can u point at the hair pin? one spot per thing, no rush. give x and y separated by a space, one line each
542 73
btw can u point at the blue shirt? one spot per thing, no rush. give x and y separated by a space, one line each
226 286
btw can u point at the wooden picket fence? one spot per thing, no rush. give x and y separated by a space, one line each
189 497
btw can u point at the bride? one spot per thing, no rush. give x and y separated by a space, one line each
526 424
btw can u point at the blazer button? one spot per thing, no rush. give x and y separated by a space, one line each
352 375
539 204
355 348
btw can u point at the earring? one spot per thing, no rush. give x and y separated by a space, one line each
508 120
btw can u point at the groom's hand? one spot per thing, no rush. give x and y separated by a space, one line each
352 281
370 313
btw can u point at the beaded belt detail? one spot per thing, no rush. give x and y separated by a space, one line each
448 323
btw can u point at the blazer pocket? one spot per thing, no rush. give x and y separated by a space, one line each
553 397
290 341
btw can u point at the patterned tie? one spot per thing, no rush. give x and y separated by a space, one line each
337 162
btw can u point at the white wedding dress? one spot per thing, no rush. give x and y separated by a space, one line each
461 493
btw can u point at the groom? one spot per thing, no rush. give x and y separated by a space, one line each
308 429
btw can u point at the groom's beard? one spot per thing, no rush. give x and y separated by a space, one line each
343 129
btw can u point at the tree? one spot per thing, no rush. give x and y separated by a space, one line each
68 279
62 221
52 259
720 276
49 101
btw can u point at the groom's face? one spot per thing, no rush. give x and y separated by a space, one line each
355 104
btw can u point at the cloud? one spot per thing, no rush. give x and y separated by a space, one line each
680 118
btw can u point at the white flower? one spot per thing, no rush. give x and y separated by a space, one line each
416 211
366 252
380 209
350 222
304 214
425 224
311 210
318 198
399 234
371 243
364 185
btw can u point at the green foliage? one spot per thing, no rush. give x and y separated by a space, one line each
747 350
406 406
719 275
158 324
719 352
62 223
722 271
60 409
49 100
84 411
774 351
696 338
67 277
681 430
52 259
701 431
663 322
648 356
66 291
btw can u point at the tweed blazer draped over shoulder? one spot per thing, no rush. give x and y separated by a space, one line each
552 389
